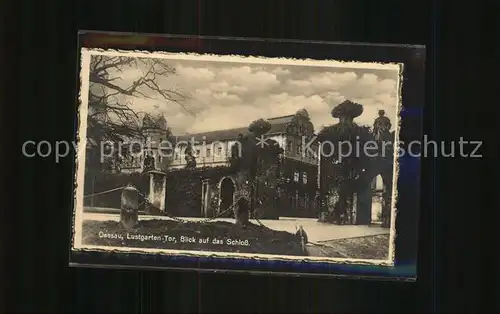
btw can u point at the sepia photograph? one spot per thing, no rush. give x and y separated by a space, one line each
237 157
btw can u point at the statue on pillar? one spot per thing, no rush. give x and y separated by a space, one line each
381 130
382 127
149 162
189 157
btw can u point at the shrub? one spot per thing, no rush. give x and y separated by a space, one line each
184 188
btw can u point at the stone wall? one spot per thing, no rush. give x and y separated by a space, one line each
184 190
241 189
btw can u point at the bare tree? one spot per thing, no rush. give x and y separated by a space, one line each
111 117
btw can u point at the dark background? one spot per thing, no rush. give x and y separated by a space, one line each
38 104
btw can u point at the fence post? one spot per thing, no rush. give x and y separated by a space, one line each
208 199
157 189
129 211
205 198
242 212
301 233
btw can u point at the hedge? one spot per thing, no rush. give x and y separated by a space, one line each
183 194
184 188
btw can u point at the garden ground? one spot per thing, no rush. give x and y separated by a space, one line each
365 247
316 231
277 237
217 236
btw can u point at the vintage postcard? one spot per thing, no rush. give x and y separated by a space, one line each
237 157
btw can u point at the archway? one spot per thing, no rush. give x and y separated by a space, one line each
226 193
369 201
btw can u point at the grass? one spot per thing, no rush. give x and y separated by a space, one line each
367 247
212 236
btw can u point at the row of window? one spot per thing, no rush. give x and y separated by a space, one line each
134 161
297 177
300 129
301 201
298 150
208 153
219 151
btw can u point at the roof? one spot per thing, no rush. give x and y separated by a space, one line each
278 125
154 121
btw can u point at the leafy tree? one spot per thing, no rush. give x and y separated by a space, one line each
189 157
260 158
259 127
255 151
110 115
343 157
149 163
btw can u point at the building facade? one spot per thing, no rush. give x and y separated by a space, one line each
298 171
298 177
212 149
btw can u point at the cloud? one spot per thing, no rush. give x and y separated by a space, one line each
224 95
322 82
279 71
195 74
245 78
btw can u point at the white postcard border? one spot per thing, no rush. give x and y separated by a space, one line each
77 222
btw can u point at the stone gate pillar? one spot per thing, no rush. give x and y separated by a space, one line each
354 210
387 199
206 193
157 189
206 198
203 189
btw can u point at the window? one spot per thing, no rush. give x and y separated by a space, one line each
219 151
289 146
197 152
296 176
208 152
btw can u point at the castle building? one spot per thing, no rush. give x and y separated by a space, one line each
212 149
293 133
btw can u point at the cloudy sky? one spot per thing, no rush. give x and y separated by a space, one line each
224 95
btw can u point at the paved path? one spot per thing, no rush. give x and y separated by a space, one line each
316 232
